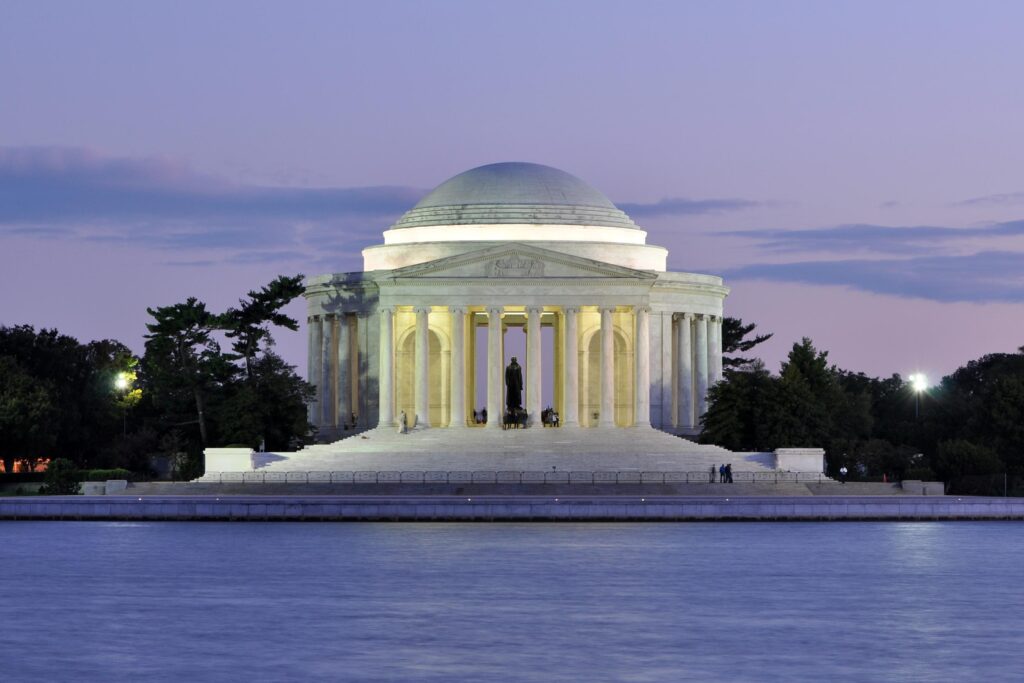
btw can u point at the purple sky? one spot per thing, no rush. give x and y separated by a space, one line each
855 170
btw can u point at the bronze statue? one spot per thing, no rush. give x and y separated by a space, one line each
513 386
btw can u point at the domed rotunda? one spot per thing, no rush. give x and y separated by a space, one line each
618 340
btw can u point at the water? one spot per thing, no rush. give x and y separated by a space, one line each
511 602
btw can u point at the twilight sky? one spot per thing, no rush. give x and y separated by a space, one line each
854 169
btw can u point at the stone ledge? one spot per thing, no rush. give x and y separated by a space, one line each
499 508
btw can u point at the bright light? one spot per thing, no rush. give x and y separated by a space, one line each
122 381
918 382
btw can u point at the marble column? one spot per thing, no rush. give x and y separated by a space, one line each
684 367
495 377
360 375
386 388
534 357
327 372
700 343
458 368
667 379
422 350
715 349
314 371
642 363
344 372
571 365
607 416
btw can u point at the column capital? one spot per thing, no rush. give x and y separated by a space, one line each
495 310
570 309
684 316
607 309
534 310
421 309
642 308
458 310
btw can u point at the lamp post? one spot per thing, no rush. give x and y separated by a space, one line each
919 383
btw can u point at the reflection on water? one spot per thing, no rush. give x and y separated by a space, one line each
511 602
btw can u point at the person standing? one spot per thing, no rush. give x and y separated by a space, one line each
842 474
712 474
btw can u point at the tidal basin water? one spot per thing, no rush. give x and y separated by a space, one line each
95 601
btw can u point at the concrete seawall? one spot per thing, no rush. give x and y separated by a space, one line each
509 508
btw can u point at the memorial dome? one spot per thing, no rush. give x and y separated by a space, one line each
515 202
515 193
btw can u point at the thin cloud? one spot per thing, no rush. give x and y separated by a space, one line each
678 206
62 193
1005 199
873 238
984 277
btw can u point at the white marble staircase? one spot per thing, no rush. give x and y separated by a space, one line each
535 449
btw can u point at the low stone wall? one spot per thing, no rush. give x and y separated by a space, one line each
510 508
506 477
800 459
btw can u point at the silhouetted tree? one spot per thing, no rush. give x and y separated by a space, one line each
249 324
734 340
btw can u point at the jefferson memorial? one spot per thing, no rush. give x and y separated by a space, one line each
413 357
504 246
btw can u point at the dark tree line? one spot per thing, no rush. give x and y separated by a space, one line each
60 398
970 425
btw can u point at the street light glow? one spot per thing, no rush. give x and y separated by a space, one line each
918 382
121 382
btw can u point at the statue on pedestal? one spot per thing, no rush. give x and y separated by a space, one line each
513 387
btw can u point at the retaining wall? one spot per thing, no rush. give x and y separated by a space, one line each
508 508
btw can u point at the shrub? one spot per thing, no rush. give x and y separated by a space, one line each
103 475
61 479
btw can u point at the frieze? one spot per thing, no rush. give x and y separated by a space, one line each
516 266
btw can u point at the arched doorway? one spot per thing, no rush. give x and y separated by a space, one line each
439 374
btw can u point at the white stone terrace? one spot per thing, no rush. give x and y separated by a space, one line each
636 449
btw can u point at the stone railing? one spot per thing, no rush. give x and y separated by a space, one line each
506 477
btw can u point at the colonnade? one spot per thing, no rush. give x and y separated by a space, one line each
697 364
334 355
339 366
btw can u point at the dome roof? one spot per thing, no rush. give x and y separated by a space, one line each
515 193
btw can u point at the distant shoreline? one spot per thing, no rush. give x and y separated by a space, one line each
505 508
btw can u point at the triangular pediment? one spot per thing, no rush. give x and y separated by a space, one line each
514 260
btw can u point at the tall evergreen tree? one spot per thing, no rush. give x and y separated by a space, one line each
249 324
183 359
734 340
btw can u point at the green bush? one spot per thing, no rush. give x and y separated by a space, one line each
103 475
62 478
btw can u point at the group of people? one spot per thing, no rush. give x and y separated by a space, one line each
724 474
514 419
549 417
480 416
